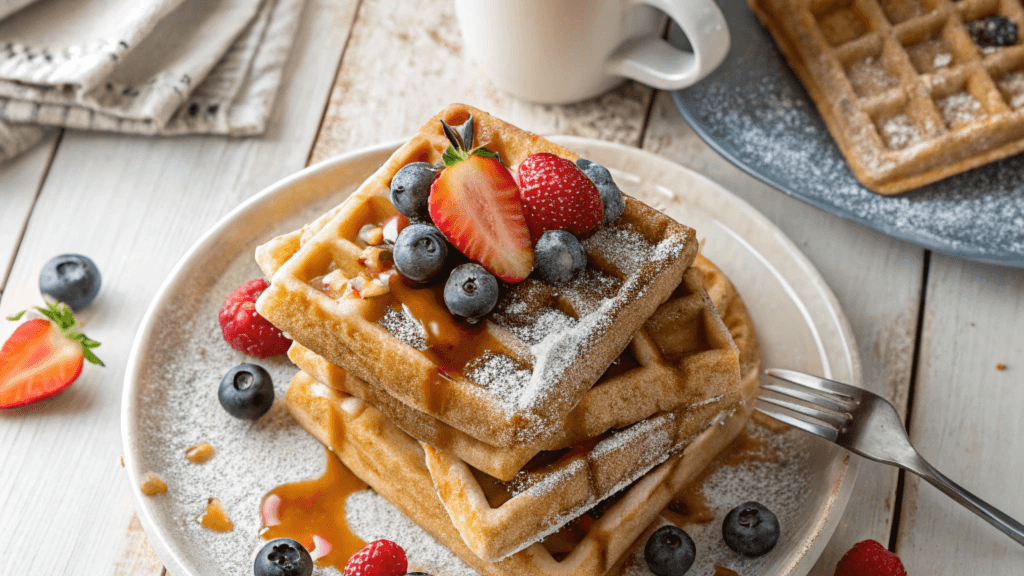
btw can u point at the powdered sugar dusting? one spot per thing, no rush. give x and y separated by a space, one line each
402 326
178 408
767 122
899 131
780 486
372 517
960 109
503 378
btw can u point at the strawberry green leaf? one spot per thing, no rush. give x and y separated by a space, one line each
91 357
452 156
485 153
16 317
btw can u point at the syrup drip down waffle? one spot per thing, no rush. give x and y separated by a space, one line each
392 463
488 381
907 94
683 356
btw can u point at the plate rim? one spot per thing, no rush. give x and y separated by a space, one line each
829 517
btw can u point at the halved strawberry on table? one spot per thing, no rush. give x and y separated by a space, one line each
43 356
475 204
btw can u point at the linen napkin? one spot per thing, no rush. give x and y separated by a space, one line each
160 67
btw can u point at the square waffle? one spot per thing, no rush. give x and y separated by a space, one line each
623 427
682 356
502 385
392 463
908 96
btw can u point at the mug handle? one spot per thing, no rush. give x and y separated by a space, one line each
657 63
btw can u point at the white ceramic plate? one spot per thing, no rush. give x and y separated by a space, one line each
178 359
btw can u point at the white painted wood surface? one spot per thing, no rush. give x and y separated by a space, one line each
139 203
19 185
966 419
136 205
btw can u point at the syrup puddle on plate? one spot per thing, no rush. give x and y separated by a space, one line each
312 512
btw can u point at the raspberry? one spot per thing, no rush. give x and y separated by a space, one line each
378 558
244 329
869 558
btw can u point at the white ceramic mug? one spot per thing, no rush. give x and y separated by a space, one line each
559 51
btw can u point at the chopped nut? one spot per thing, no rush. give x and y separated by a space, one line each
355 286
1000 366
374 288
334 283
152 485
376 260
200 453
215 517
371 235
122 460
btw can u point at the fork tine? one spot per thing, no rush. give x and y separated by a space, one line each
814 397
816 429
816 382
835 420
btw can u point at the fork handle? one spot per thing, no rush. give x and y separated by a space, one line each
991 514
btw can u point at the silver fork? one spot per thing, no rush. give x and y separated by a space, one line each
867 424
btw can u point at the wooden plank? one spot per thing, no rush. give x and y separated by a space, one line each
405 62
966 420
876 279
136 205
20 180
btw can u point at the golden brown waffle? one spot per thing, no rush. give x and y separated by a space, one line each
499 384
683 356
905 92
496 518
392 463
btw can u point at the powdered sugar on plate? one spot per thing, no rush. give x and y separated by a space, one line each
754 111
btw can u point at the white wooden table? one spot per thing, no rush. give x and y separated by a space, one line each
931 327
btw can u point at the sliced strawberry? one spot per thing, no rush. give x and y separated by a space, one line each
43 357
557 195
475 204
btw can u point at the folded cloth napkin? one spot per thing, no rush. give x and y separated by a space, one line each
141 66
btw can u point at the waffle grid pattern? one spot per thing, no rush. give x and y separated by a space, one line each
345 330
907 94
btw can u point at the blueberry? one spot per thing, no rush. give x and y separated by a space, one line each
471 291
410 189
283 557
558 256
611 197
670 551
751 529
246 391
72 279
993 31
420 252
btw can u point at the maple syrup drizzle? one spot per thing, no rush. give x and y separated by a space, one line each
451 344
722 571
691 504
315 508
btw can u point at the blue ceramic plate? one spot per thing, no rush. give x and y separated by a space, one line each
754 111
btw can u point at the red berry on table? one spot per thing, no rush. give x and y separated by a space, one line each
475 204
244 329
557 195
43 356
869 558
378 558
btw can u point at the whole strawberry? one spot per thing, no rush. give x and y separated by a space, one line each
557 195
869 558
244 329
378 558
43 356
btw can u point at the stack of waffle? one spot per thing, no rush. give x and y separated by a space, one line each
547 438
